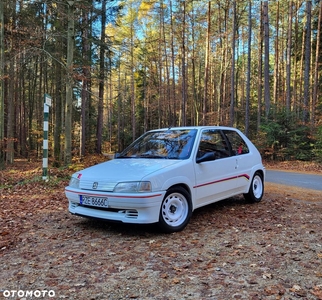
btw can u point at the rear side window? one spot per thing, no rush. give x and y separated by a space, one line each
237 143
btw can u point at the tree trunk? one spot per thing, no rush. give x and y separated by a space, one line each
249 60
316 66
232 78
288 58
99 129
276 64
119 106
59 94
206 75
69 84
260 70
174 118
10 113
167 94
85 80
221 85
183 68
298 63
11 86
132 79
2 146
307 63
266 60
160 70
57 103
205 95
194 80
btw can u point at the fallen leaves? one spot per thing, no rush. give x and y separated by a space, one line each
270 250
175 280
297 166
317 292
267 276
298 291
275 290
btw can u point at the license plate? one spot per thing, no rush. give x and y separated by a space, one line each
93 201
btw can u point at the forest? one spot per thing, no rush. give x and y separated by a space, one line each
115 69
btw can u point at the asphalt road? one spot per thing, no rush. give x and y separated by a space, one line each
307 181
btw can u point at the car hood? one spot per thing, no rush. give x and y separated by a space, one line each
107 175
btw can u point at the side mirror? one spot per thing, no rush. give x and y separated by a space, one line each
209 156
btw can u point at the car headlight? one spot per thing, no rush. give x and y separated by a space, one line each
74 182
133 187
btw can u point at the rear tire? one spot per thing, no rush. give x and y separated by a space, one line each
175 211
256 189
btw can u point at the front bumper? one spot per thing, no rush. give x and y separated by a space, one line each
127 208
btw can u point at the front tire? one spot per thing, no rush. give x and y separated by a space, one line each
256 189
175 211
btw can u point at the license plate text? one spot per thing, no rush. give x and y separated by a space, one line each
93 201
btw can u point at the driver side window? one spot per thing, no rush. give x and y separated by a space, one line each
213 141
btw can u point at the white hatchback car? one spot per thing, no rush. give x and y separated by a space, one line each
166 174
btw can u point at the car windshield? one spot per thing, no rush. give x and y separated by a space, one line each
169 144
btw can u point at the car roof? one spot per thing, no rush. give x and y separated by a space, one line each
196 127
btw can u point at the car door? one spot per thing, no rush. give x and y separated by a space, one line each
244 163
215 179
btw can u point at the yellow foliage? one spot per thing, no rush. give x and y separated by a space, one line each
110 31
144 8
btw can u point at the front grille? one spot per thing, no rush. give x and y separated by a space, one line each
100 185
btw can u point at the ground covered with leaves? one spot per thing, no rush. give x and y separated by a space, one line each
229 250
